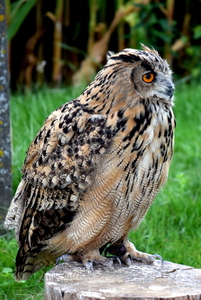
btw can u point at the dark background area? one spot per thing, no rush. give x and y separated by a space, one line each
75 27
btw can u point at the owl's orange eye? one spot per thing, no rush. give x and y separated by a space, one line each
149 77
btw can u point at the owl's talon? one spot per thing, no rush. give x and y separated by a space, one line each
108 263
128 260
115 258
155 256
151 258
89 265
64 257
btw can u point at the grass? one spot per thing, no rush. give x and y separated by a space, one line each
172 225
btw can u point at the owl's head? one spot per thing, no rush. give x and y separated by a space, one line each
146 71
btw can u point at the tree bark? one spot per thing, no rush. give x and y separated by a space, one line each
72 281
5 151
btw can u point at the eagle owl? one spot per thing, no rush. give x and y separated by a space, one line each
96 165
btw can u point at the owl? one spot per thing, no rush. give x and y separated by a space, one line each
96 165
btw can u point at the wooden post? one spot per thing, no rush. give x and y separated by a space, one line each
5 152
72 281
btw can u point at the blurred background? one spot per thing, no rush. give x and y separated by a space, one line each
58 42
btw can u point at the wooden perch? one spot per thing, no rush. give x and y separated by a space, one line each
71 280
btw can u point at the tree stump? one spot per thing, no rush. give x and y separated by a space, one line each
72 281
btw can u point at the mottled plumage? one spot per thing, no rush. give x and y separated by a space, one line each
96 165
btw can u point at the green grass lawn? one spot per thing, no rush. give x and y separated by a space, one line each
172 225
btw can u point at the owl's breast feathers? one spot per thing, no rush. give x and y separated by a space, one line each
80 155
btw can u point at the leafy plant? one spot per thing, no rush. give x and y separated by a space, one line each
16 13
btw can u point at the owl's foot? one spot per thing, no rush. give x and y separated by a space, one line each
127 253
133 253
89 259
93 257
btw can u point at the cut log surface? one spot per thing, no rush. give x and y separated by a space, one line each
72 281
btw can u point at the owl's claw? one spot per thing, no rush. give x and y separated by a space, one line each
64 257
89 265
150 258
155 256
128 260
115 258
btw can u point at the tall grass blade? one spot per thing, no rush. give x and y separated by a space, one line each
18 15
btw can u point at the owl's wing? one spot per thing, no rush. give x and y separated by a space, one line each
57 170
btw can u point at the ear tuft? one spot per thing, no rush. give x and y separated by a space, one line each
144 47
109 54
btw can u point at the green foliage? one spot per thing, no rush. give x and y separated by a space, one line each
197 32
153 27
172 225
19 11
173 30
193 64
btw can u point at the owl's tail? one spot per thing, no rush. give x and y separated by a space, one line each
29 261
